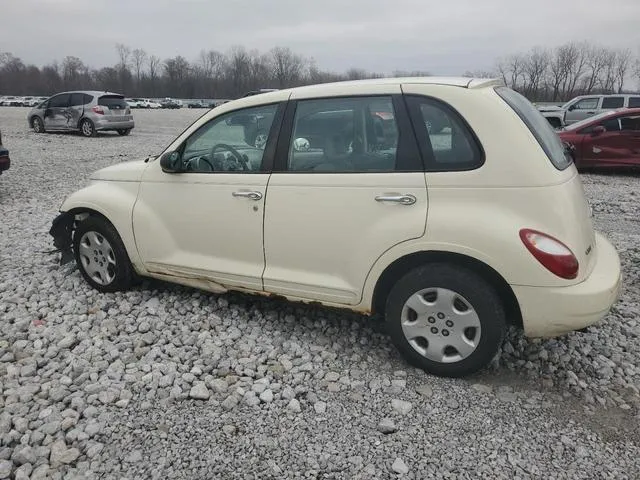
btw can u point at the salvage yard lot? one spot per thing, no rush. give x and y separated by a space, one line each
171 382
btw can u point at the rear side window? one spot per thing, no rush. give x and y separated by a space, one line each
113 102
77 99
539 127
634 102
446 142
613 102
86 98
59 101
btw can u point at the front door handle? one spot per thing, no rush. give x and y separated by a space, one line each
252 195
406 199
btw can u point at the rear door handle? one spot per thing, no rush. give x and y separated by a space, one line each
405 199
252 195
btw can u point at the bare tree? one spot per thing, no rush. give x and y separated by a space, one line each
623 64
139 60
535 67
596 62
287 66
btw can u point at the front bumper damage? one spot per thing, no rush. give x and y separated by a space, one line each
62 232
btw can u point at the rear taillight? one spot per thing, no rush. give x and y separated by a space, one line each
554 255
97 109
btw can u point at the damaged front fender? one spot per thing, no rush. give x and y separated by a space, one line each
62 230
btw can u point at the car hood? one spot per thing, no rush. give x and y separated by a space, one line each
549 108
121 172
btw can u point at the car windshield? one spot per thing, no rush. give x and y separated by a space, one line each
587 121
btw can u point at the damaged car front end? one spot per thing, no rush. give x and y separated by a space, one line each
62 232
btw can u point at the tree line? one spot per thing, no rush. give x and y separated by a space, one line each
541 74
561 73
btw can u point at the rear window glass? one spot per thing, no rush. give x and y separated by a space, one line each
613 102
539 127
634 102
113 102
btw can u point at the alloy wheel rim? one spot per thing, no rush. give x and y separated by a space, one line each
97 258
441 325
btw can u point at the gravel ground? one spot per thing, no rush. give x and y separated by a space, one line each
170 382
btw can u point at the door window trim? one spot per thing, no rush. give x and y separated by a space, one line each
407 150
269 150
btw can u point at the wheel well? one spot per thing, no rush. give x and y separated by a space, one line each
89 212
82 119
403 265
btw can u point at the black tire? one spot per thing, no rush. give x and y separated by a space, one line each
37 124
122 272
87 128
124 131
472 288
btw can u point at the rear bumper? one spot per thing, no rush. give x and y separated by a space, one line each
106 124
548 312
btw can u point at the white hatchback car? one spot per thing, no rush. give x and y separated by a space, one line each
352 201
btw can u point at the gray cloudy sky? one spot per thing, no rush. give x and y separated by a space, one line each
443 37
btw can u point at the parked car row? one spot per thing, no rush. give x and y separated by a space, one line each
20 101
447 235
142 103
585 106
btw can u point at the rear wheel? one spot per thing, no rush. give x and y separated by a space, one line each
87 128
445 319
37 125
101 256
124 131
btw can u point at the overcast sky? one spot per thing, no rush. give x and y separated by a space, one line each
443 37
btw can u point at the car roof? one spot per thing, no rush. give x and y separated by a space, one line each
95 93
329 89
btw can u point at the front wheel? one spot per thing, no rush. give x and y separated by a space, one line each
101 256
446 320
87 128
124 131
37 125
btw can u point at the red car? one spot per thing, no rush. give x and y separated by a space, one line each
610 139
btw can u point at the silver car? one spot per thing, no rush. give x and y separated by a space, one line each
85 111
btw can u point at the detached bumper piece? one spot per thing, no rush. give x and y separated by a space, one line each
61 230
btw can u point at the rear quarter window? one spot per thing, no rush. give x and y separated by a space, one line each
446 141
539 127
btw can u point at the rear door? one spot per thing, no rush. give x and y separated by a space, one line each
348 185
76 108
56 116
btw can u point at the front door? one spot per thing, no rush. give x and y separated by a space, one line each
206 223
56 114
619 145
583 108
349 186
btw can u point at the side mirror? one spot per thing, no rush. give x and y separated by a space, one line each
171 162
598 130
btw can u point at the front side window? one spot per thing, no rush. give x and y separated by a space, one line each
613 102
586 104
358 134
445 140
233 142
539 127
59 101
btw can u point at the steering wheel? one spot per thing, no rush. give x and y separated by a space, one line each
193 165
241 161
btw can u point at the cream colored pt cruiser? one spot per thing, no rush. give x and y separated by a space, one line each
447 204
